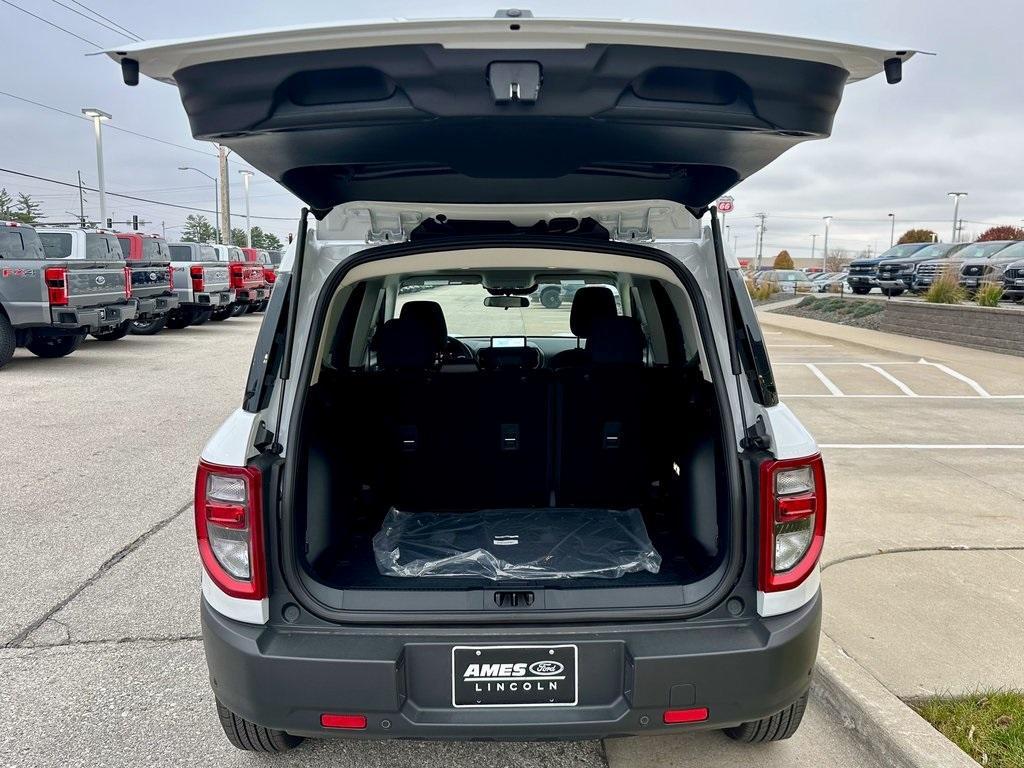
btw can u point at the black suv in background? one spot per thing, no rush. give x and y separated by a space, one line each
898 275
864 272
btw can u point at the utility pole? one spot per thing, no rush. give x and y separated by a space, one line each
892 228
956 212
760 236
81 202
225 197
824 249
246 176
814 241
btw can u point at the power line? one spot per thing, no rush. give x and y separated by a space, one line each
111 21
96 21
132 197
107 126
55 26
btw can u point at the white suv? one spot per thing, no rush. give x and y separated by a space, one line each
443 512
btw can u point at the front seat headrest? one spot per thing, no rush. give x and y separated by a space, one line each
403 344
428 314
617 341
591 303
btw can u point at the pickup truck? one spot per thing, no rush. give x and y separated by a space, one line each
152 284
864 272
1013 281
991 266
49 305
900 274
263 258
247 279
202 283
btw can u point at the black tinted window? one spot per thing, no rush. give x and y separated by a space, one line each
181 253
207 253
20 244
56 245
126 247
101 247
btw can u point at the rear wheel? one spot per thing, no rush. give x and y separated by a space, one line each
55 346
779 726
238 309
222 313
860 290
252 737
202 316
8 340
149 327
118 332
551 298
179 319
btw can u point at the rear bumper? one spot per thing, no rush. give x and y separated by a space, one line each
92 318
213 299
401 680
248 295
155 306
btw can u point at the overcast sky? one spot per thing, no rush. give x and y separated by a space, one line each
955 123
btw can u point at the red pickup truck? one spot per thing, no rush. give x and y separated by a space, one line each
247 281
266 260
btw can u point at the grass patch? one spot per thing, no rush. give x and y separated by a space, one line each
868 308
946 289
987 726
989 295
807 302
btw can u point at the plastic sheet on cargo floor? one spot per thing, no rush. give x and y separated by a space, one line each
526 544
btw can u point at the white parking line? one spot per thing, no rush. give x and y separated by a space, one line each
889 377
917 397
959 376
799 346
829 384
929 446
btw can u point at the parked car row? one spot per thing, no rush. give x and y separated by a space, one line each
60 284
913 267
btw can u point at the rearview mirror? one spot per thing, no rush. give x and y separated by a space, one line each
507 302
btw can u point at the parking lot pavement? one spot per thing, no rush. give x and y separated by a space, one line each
915 476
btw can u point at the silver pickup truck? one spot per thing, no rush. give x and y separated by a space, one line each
202 284
49 305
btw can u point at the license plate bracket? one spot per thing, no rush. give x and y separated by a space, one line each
515 676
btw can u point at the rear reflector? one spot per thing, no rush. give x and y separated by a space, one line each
355 722
695 715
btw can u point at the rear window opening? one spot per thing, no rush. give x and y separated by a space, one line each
505 450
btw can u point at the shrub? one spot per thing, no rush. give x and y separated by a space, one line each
807 302
916 236
761 292
783 261
946 289
989 295
1004 232
865 308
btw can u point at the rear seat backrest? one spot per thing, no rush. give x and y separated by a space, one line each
590 305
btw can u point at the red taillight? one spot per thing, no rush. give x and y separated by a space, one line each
229 528
270 275
357 722
198 278
693 715
235 269
127 282
792 521
57 285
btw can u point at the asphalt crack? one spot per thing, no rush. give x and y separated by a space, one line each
110 562
905 550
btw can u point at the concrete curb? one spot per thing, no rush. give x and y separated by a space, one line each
896 734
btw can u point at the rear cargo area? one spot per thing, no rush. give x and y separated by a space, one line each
562 447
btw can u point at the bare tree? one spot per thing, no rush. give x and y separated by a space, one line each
837 259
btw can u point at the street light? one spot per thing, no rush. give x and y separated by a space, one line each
98 116
216 196
246 176
814 242
892 228
824 249
956 210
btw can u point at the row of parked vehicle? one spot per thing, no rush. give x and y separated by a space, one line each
797 280
61 284
913 267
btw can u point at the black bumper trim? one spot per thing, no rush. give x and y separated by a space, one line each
285 679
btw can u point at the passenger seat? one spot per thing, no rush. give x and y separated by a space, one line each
590 305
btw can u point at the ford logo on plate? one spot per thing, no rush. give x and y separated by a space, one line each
152 276
546 668
101 280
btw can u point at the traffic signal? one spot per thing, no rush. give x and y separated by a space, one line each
110 223
135 222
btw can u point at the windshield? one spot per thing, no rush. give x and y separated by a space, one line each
547 313
899 251
1015 251
982 250
935 251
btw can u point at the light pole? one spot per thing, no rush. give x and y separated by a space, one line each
892 228
824 248
98 116
216 196
246 176
956 210
814 241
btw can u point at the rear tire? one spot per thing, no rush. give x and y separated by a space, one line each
149 327
221 313
251 737
117 333
179 319
779 726
551 298
55 346
201 317
861 290
238 309
8 340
